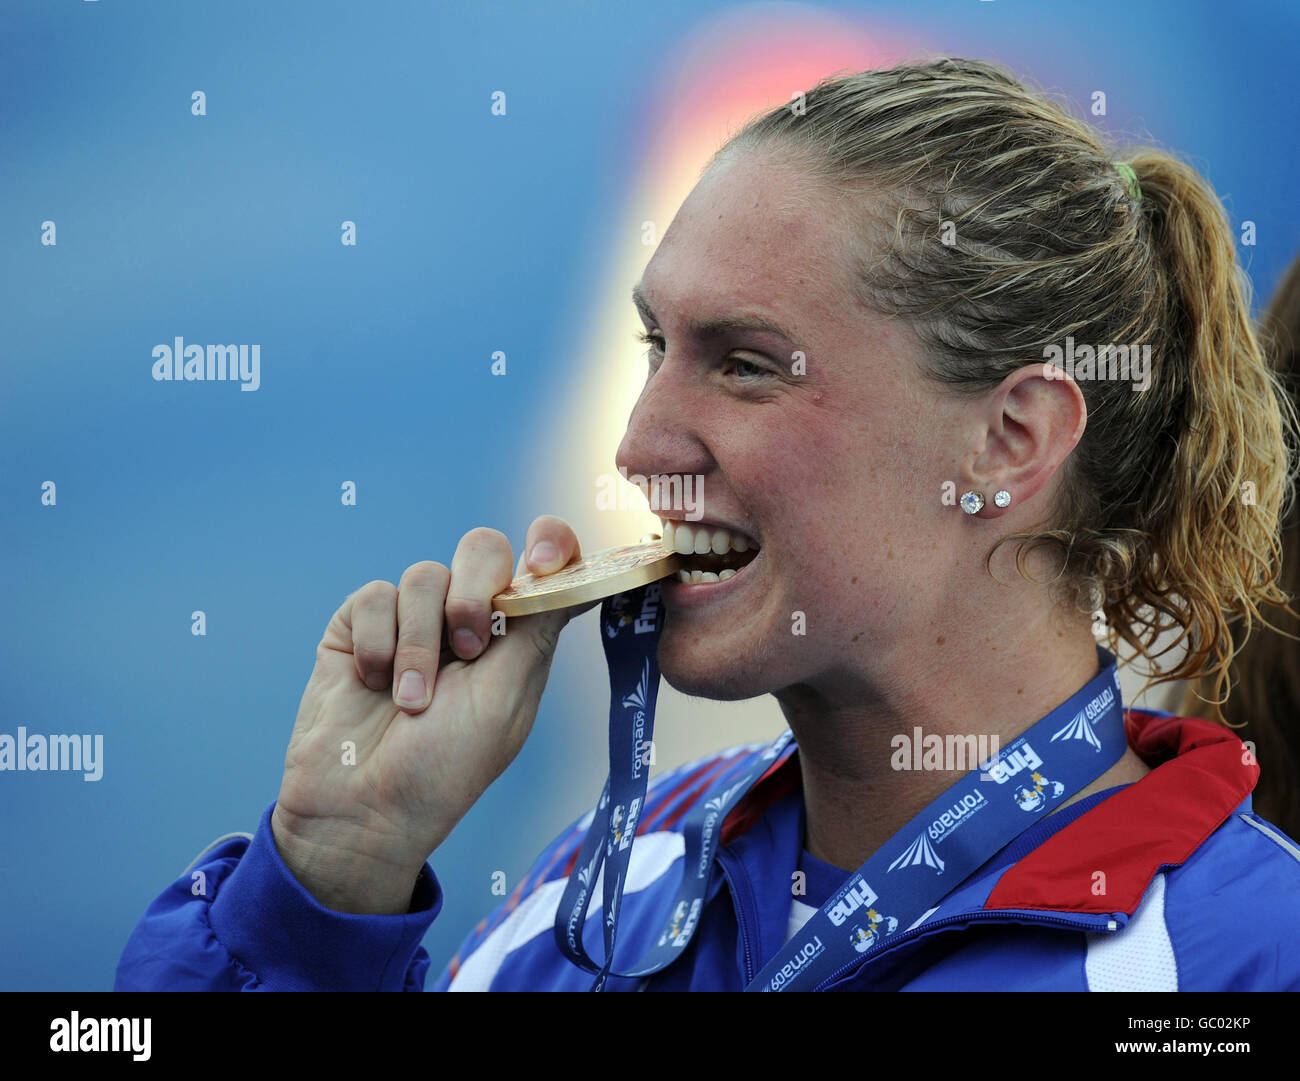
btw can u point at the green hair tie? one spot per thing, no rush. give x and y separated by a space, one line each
1130 179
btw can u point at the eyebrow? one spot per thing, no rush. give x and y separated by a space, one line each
713 328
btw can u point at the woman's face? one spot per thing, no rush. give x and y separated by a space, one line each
835 465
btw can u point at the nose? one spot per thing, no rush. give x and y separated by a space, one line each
664 433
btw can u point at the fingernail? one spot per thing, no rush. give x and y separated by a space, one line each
544 554
376 681
465 641
410 689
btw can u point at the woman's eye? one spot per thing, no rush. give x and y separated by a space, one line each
747 369
652 340
742 369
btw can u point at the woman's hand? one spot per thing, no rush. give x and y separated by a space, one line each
413 709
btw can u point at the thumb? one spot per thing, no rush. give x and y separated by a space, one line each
531 640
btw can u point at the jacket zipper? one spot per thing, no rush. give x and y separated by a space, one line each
1020 916
742 922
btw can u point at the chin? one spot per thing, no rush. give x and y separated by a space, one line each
730 679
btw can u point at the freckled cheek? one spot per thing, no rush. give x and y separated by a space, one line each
808 508
821 471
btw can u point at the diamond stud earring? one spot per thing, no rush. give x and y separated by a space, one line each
972 502
1002 498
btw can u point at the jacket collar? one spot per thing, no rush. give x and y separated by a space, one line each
1200 772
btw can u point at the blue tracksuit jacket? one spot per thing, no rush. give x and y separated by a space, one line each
1196 893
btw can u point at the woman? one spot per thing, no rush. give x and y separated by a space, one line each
847 327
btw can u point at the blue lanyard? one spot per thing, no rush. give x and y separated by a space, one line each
979 815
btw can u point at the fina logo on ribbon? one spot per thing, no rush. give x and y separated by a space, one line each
622 831
637 701
675 927
855 895
714 809
877 925
585 876
917 854
620 615
612 918
1081 725
921 853
1033 799
683 922
723 798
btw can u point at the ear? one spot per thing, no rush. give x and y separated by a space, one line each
1033 419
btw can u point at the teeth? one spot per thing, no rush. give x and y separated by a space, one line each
687 539
698 577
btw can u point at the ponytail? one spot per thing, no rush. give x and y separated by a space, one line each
1215 516
1264 701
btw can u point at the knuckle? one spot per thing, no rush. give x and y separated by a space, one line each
370 657
462 610
417 656
417 630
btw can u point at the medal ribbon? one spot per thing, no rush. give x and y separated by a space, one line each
630 627
924 861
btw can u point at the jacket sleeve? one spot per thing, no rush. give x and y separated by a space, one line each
239 921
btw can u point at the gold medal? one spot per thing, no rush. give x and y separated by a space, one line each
593 577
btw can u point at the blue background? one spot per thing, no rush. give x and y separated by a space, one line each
475 233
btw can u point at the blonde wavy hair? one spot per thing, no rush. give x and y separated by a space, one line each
997 225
